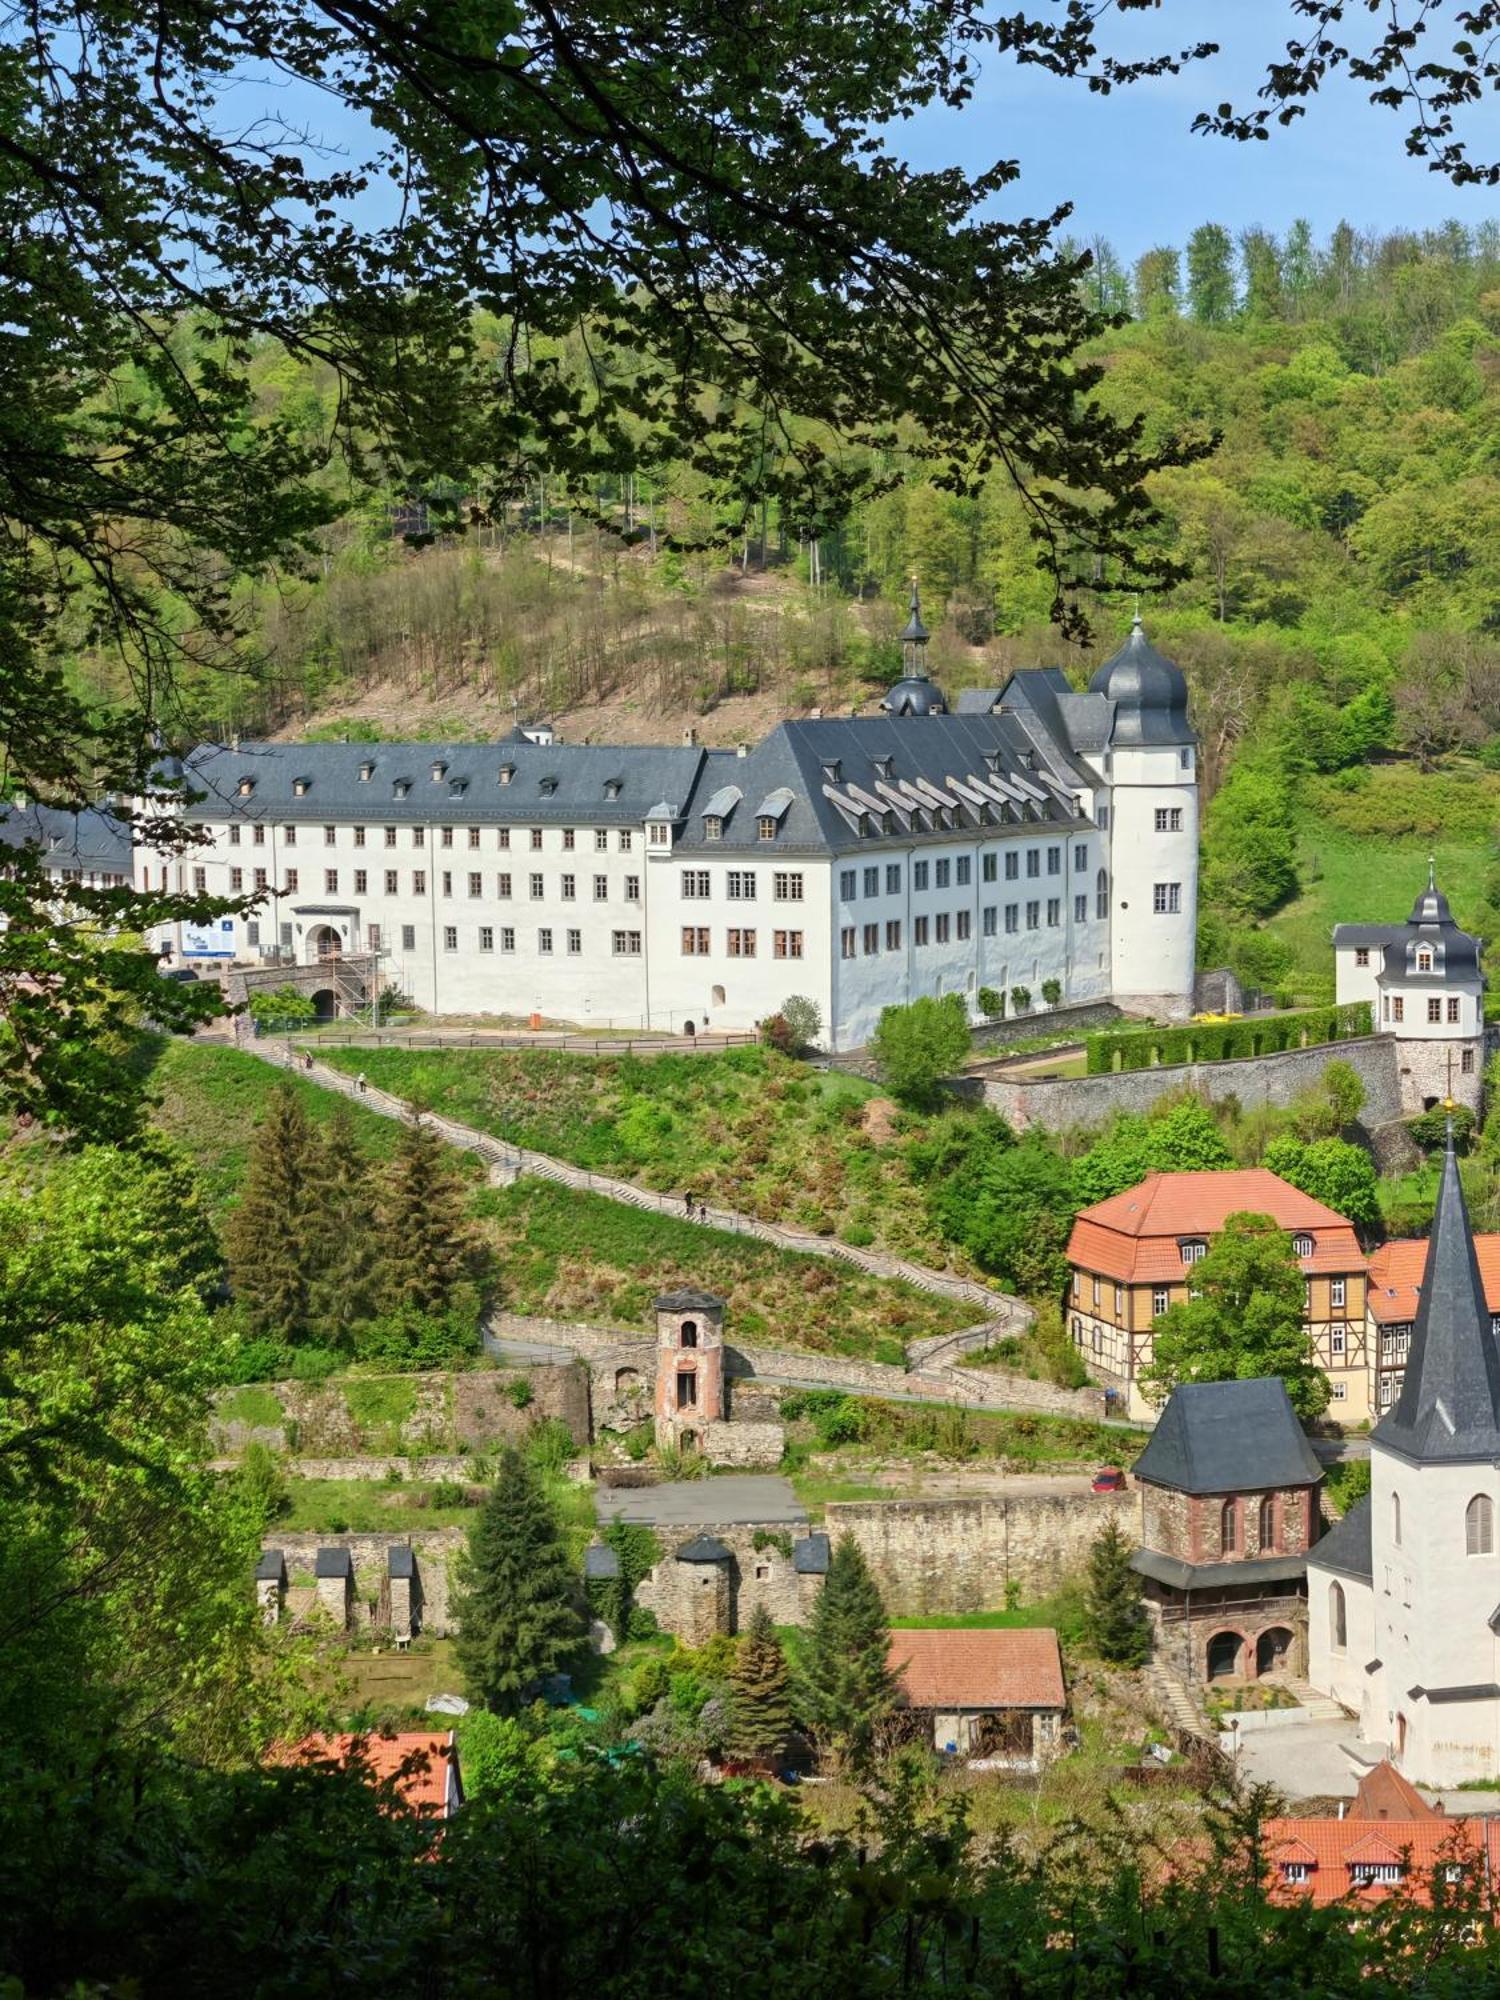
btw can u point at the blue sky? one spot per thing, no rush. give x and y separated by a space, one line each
1137 174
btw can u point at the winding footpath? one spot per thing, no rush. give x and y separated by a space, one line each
1002 1314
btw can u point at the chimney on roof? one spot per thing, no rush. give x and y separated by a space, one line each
690 738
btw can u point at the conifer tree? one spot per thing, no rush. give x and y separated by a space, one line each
1115 1617
346 1272
847 1686
760 1703
516 1597
269 1238
429 1249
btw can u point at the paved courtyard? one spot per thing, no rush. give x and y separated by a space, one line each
705 1503
1302 1760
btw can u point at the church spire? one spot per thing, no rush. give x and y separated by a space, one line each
914 638
1449 1406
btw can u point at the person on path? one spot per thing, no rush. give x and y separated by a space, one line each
359 1083
687 1205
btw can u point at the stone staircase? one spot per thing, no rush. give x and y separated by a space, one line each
1316 1707
1178 1701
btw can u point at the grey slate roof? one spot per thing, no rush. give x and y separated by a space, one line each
600 1561
704 1549
1449 1407
1354 934
401 1561
1148 691
333 1562
810 1555
1455 953
1179 1575
688 1299
271 1568
1346 1546
469 788
93 838
1228 1437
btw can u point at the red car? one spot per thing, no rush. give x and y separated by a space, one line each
1109 1479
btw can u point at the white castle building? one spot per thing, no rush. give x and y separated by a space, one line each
1404 1594
1031 834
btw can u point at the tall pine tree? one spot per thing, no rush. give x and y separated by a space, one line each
346 1274
270 1236
516 1598
429 1247
760 1702
1115 1618
847 1687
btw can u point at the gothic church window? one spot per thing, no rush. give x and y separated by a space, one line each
1479 1526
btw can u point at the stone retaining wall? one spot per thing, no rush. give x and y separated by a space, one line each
460 1407
1254 1081
609 1350
953 1556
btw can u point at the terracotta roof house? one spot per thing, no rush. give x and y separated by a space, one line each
1395 1287
423 1765
1132 1256
995 1696
1327 1860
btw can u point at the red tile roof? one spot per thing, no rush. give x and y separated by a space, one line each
996 1669
1329 1849
1383 1793
1133 1236
423 1765
1396 1273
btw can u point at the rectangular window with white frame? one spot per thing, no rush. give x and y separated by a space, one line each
1166 898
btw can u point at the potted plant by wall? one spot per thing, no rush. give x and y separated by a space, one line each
1020 999
1052 991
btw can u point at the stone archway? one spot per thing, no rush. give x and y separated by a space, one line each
325 1003
1273 1650
323 942
1224 1650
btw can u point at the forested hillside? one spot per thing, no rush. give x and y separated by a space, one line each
1342 601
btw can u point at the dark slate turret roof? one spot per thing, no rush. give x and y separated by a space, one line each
1346 1546
271 1568
1228 1437
687 1298
1148 691
1448 1411
810 1555
333 1562
703 1549
401 1561
1455 953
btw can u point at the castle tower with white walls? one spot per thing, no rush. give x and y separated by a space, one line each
1149 761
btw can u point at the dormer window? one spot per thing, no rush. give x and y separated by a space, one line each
713 827
612 788
245 787
1296 1871
1302 1246
833 771
401 787
1424 958
549 786
300 786
366 772
765 827
457 788
659 834
1193 1249
507 772
1362 1873
438 771
884 767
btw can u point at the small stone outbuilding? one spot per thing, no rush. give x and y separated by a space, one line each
1229 1509
270 1585
333 1574
405 1591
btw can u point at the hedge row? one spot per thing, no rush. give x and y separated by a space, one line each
1225 1041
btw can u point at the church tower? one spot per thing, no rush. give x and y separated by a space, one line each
1434 1498
689 1368
1150 764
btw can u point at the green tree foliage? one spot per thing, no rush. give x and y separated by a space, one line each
517 1608
1250 842
430 1251
845 1687
917 1045
1331 1171
760 1702
270 1237
1010 1205
1114 1615
1180 1138
1246 1320
346 1277
1210 275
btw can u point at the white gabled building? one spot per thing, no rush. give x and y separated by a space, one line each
1425 987
1404 1595
1037 834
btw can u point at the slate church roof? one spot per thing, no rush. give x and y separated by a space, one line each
1346 1546
1448 1411
1227 1437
